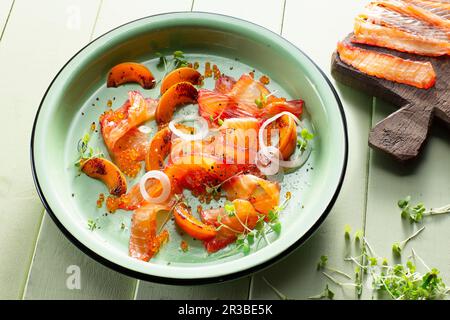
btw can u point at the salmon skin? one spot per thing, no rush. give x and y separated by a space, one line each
403 26
414 73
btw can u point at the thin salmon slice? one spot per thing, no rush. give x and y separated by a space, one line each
415 73
144 240
381 15
415 11
367 32
135 111
439 8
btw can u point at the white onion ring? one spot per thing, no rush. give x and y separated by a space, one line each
268 160
165 182
202 131
144 129
294 163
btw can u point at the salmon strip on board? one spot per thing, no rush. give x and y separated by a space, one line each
367 32
415 11
383 16
415 73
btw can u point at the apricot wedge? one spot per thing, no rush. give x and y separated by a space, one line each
192 226
106 171
178 94
160 147
130 72
288 136
184 74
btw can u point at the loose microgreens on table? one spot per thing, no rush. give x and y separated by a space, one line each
86 152
397 247
400 282
416 213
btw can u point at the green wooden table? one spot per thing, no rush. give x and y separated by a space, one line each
37 37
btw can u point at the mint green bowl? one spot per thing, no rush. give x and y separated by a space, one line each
78 95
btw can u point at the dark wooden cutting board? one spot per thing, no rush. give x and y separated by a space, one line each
404 132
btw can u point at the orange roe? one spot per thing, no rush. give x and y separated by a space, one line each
208 71
100 200
264 79
184 246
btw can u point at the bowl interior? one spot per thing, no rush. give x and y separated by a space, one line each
78 96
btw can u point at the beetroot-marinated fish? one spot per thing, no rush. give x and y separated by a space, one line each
370 33
415 73
126 144
144 240
439 8
412 10
381 15
242 99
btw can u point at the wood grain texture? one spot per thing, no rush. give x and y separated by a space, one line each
428 181
403 133
296 276
53 265
238 289
267 13
5 9
115 13
48 281
20 209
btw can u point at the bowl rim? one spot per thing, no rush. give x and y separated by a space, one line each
192 281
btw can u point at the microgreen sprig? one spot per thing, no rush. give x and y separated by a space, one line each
397 247
86 152
305 137
416 213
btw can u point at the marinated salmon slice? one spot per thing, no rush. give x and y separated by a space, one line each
246 98
135 111
381 15
367 32
417 12
415 73
439 8
144 240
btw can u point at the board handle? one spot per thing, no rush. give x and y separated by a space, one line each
403 133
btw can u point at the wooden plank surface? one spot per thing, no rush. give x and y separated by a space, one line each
296 276
21 210
5 10
426 180
270 17
48 280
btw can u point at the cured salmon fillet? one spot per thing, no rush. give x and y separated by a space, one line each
144 240
415 11
367 32
415 73
126 144
239 100
381 15
439 8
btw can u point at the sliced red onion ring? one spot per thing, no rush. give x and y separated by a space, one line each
165 182
300 159
201 133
